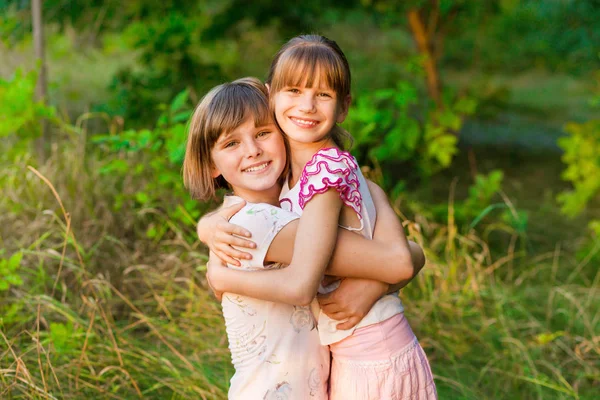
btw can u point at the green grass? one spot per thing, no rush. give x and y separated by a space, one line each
106 312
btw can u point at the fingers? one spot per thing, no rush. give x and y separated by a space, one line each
339 315
233 253
226 258
230 211
350 323
225 234
324 298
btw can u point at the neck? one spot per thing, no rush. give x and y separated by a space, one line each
302 153
269 196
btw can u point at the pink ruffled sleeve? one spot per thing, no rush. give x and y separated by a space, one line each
331 168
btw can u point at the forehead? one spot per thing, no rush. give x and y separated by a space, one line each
307 76
249 125
309 71
316 81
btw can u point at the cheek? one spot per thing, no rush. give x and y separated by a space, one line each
278 146
221 162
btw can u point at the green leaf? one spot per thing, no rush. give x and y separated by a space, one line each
15 261
142 197
151 232
60 334
179 102
118 166
182 116
547 337
14 280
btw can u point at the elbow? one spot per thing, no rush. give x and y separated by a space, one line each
304 300
406 267
419 264
302 293
301 298
418 257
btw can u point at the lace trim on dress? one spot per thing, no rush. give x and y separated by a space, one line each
335 168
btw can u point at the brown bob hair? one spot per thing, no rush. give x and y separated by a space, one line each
310 59
221 110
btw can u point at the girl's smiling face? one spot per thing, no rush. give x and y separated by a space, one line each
251 158
308 114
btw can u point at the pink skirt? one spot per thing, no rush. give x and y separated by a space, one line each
382 361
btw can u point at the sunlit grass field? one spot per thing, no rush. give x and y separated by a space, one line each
104 311
99 309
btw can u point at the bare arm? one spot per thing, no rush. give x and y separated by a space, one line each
386 258
298 283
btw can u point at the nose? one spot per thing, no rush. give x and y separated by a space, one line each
253 148
307 103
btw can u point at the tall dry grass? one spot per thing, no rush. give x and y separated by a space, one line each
107 312
104 312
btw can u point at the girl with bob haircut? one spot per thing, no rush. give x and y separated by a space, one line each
275 348
380 357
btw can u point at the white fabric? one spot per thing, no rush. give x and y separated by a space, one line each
275 347
388 305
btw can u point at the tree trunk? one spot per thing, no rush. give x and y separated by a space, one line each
423 42
43 142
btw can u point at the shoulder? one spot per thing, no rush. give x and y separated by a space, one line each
333 159
257 214
331 168
375 189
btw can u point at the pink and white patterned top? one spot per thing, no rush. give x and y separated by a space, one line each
275 347
335 168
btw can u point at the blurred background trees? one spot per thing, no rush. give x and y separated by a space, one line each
479 118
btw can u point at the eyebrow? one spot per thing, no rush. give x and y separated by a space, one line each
223 138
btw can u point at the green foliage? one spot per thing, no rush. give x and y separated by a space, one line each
125 311
172 56
399 125
157 153
582 157
153 331
9 271
66 338
20 114
516 35
480 196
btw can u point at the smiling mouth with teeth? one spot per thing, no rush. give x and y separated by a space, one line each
305 123
257 167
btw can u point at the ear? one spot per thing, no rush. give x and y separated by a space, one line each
344 107
214 172
268 88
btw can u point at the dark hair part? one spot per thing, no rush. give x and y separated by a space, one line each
310 59
221 110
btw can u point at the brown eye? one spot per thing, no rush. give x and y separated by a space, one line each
262 133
